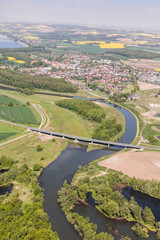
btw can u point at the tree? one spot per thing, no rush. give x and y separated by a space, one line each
148 216
140 230
111 208
83 190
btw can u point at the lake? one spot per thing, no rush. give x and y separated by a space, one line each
5 42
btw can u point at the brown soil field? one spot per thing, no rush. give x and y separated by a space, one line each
143 165
147 86
144 63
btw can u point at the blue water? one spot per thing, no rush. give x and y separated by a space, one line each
65 166
130 122
7 43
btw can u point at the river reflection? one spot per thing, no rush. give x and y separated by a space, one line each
118 229
143 200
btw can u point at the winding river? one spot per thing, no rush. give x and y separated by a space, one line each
64 167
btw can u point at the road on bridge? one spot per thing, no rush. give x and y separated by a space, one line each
83 139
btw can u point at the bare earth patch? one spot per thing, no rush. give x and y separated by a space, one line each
44 137
147 86
143 165
144 63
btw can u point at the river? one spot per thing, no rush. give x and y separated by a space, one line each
64 166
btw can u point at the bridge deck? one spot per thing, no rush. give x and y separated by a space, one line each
82 139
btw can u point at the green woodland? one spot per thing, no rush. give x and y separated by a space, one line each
109 201
19 220
85 108
106 129
26 81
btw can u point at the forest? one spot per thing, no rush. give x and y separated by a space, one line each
29 220
108 129
25 81
108 200
87 109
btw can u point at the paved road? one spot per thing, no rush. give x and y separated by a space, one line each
82 139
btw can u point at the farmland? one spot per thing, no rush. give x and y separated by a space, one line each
4 100
17 112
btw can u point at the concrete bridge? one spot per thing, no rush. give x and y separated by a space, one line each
90 140
83 139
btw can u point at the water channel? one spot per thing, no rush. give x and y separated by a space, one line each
63 167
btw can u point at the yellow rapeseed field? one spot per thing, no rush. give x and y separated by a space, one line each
141 42
101 44
115 34
145 35
15 60
31 37
158 69
112 45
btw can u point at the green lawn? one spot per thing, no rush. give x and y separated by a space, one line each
7 132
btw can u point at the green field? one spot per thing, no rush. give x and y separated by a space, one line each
7 132
5 100
148 49
19 114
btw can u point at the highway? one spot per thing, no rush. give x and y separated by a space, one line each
83 139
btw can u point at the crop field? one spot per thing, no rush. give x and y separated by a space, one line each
143 48
7 132
5 100
19 114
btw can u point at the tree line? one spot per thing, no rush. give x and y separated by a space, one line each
67 197
87 109
108 200
19 220
108 129
27 81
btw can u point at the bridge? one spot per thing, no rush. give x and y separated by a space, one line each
90 140
83 139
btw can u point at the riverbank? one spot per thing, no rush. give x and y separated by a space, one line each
143 165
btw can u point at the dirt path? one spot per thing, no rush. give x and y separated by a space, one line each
143 165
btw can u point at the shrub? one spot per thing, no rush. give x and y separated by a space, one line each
10 104
39 148
37 167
